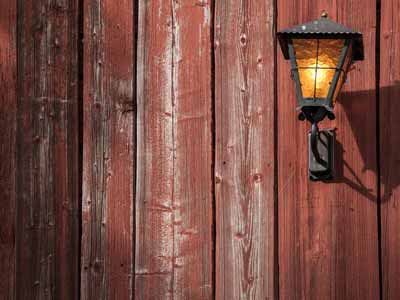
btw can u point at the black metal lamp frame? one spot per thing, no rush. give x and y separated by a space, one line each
314 110
311 107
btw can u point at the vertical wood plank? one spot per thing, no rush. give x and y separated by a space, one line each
8 108
108 150
389 144
328 243
47 151
174 199
244 84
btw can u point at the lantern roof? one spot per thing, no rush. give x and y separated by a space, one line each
322 28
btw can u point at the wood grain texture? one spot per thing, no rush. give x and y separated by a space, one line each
174 199
8 108
108 150
328 243
47 151
244 179
389 144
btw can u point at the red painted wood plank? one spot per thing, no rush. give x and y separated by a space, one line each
174 200
108 150
8 108
328 243
389 144
47 151
244 83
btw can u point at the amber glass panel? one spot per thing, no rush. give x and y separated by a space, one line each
306 59
324 80
338 87
329 52
328 57
307 79
346 65
306 52
317 61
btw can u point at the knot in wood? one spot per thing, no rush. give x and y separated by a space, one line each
243 40
257 177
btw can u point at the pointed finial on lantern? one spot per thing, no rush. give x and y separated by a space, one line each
324 14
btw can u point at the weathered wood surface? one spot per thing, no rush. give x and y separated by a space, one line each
328 241
148 178
244 168
8 113
47 185
174 183
108 150
389 144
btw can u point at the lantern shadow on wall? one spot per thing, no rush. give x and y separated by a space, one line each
389 154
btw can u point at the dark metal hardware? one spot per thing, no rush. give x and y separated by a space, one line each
315 107
314 143
321 154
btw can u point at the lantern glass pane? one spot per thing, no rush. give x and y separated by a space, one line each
346 65
323 82
306 52
306 59
317 60
329 52
307 81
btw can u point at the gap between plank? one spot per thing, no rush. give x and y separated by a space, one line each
276 198
80 133
378 154
135 139
213 152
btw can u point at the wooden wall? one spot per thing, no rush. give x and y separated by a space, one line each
151 150
328 232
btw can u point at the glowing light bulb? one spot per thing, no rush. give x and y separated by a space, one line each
316 80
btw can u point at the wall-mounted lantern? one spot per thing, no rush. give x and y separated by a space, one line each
321 53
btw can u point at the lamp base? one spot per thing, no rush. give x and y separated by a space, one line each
322 170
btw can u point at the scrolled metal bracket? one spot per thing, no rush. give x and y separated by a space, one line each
321 144
314 135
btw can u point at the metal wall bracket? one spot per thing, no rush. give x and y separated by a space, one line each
320 157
